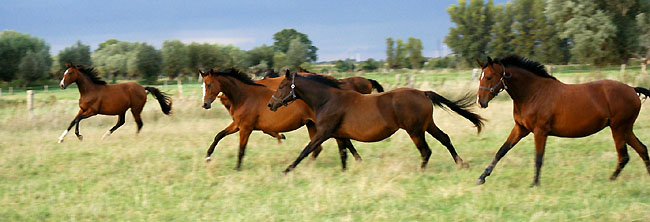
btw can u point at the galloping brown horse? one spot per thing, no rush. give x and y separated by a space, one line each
273 79
248 110
369 118
97 97
547 107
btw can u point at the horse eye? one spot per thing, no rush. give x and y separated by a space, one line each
489 78
208 85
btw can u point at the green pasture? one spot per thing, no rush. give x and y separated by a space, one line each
160 174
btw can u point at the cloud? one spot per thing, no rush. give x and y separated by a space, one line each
219 40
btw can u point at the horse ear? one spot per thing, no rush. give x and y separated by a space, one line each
480 63
202 73
489 61
287 74
68 65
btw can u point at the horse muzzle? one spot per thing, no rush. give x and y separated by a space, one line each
207 106
62 86
273 107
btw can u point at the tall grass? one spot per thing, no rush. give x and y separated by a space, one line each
160 173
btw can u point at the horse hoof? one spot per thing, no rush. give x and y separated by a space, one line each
238 168
358 159
464 165
80 137
480 181
208 159
60 141
283 137
105 135
534 185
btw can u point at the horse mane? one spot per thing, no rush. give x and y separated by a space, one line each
235 73
331 82
270 73
305 71
91 72
525 63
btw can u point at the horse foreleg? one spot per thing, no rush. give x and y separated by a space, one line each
243 140
311 129
230 129
540 146
65 132
316 141
120 122
516 134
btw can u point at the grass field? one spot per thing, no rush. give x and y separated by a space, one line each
160 174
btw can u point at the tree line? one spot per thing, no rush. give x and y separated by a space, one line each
25 58
596 32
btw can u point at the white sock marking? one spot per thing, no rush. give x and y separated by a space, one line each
63 135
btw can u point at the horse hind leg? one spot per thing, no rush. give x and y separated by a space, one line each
420 142
621 149
120 122
444 139
137 118
640 148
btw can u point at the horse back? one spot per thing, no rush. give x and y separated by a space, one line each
117 98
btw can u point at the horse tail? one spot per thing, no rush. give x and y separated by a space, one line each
641 90
376 85
164 100
459 106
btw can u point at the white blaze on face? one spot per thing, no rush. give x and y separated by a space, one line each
204 89
482 75
63 79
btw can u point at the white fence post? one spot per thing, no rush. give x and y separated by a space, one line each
475 73
622 69
45 88
11 90
30 103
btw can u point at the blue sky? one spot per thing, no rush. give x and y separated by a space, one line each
340 29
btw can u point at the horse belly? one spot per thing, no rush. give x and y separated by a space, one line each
578 125
365 129
283 120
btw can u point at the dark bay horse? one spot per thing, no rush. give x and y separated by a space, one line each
272 80
249 112
369 118
97 97
547 107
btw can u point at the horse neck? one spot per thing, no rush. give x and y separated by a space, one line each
237 91
85 85
524 86
314 94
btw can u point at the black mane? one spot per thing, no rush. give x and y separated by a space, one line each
92 74
235 73
270 73
524 63
331 82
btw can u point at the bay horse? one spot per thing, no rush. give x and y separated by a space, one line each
272 80
547 107
347 114
97 97
248 110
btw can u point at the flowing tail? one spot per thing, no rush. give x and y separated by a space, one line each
641 90
164 100
376 85
459 106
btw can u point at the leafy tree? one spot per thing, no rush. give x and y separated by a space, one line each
442 62
623 45
78 54
283 40
369 65
14 46
643 24
306 65
107 43
297 53
117 58
414 48
501 31
344 66
148 62
390 52
524 26
400 54
280 61
587 28
175 57
259 54
34 66
470 37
